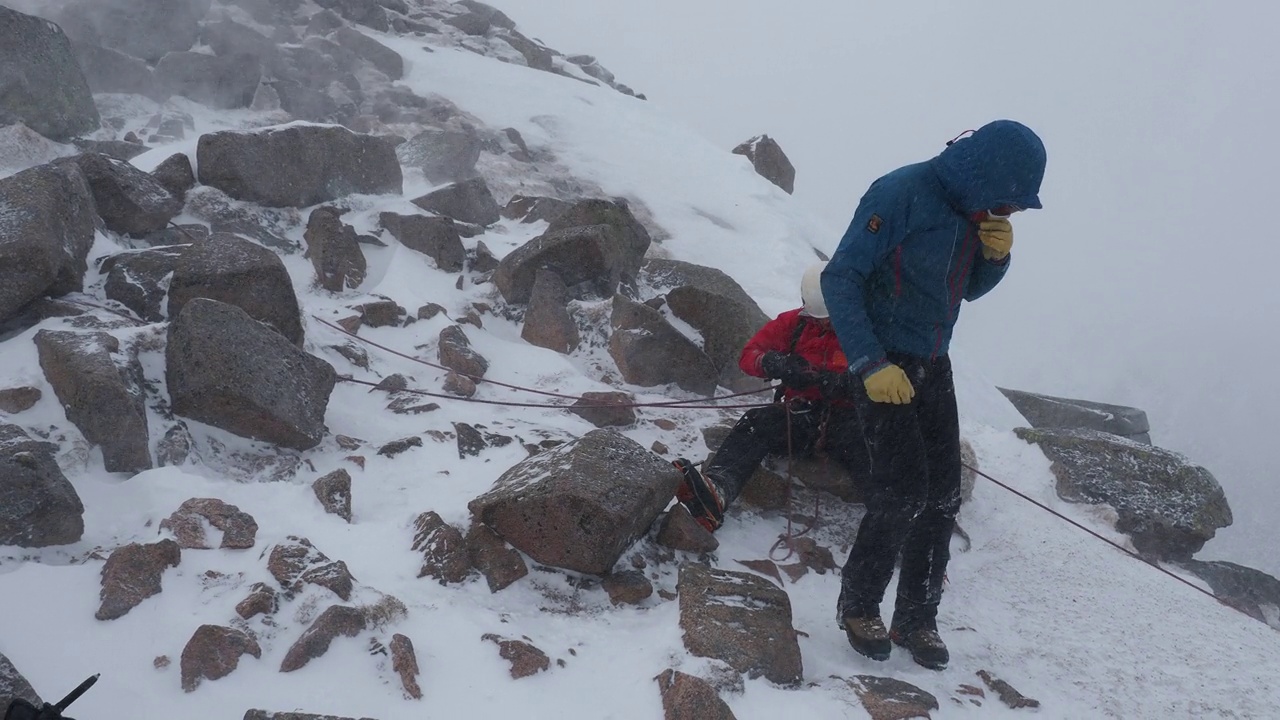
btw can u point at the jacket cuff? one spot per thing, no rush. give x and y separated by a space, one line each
871 368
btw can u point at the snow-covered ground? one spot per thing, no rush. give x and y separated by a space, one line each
1064 618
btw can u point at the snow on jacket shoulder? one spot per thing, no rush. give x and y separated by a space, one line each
817 343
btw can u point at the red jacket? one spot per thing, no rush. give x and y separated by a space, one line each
817 344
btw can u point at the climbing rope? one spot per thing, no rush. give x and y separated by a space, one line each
785 540
535 391
1106 540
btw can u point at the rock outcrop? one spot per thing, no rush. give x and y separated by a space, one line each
770 161
214 652
225 369
741 619
238 272
38 505
187 523
298 166
579 506
132 574
650 351
99 397
45 234
717 307
41 84
1169 507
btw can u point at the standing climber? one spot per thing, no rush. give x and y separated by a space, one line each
924 237
800 349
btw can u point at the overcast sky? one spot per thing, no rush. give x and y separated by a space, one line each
1149 277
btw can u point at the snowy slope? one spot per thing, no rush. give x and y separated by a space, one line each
1064 618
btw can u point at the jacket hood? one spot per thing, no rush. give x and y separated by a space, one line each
1001 163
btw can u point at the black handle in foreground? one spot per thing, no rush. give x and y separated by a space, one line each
75 694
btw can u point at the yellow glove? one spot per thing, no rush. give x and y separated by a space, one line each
889 384
996 235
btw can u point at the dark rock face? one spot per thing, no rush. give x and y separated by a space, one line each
535 55
1046 411
629 587
891 699
435 237
298 166
111 71
1254 592
226 83
769 161
132 574
334 493
1169 507
129 201
369 13
214 652
383 58
98 396
649 351
469 201
741 619
500 564
489 14
45 236
13 685
581 505
336 621
334 250
547 322
225 369
122 150
147 29
262 600
588 259
404 661
296 562
443 155
239 529
38 505
456 354
41 85
534 209
606 409
19 399
525 659
633 239
241 273
679 531
140 280
685 697
228 38
717 307
175 175
443 547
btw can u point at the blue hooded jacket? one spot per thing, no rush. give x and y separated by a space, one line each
912 252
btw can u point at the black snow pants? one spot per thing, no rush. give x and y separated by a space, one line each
763 431
913 495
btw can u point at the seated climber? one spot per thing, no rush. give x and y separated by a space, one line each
800 349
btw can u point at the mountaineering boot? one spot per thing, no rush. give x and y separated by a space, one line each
867 635
924 643
700 496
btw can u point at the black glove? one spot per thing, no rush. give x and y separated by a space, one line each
794 371
835 385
